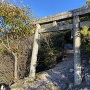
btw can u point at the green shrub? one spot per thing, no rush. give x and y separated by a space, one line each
85 38
50 50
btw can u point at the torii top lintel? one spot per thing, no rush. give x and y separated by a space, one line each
62 16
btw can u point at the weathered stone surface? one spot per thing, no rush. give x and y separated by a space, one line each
77 58
64 27
34 54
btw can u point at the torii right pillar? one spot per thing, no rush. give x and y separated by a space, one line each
77 58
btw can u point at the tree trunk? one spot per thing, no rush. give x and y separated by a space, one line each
15 58
34 54
15 66
77 58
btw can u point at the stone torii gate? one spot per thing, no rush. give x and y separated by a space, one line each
73 14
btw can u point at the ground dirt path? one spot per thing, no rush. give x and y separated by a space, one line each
58 78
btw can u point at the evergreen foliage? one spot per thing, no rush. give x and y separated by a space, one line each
85 34
50 50
17 27
17 19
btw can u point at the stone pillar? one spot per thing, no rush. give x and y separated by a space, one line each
34 54
54 23
77 58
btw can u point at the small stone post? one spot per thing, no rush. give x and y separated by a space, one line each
77 58
34 54
54 23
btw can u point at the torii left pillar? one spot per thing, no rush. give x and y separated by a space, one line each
34 53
